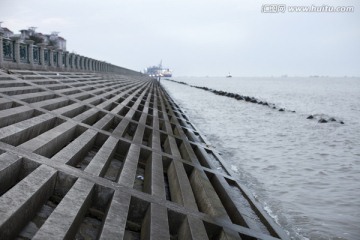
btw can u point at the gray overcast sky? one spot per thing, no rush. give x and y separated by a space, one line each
200 37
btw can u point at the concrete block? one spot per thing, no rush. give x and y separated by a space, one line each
89 155
20 203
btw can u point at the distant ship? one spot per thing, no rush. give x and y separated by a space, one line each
229 75
158 71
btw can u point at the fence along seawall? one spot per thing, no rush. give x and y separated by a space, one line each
18 54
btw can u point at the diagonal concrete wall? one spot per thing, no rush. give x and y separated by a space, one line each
112 156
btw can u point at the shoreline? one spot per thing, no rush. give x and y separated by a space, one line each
122 149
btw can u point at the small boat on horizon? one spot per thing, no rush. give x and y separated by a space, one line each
229 75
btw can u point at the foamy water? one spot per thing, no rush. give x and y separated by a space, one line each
305 174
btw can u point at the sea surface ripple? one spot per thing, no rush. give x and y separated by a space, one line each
306 174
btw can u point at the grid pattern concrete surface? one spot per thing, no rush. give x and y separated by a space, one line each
109 156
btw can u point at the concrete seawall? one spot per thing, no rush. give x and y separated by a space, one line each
89 155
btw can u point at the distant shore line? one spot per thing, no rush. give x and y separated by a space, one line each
259 102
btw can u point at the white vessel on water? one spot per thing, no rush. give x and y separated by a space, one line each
158 71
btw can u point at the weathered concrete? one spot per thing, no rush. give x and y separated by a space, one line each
110 156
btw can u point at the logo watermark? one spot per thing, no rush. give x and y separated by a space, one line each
282 8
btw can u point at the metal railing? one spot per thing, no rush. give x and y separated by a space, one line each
16 53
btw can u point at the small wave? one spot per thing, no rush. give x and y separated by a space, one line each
270 167
271 213
234 168
323 173
295 232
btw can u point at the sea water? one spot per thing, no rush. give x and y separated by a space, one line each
305 174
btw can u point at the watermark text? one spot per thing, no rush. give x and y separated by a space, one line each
283 8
